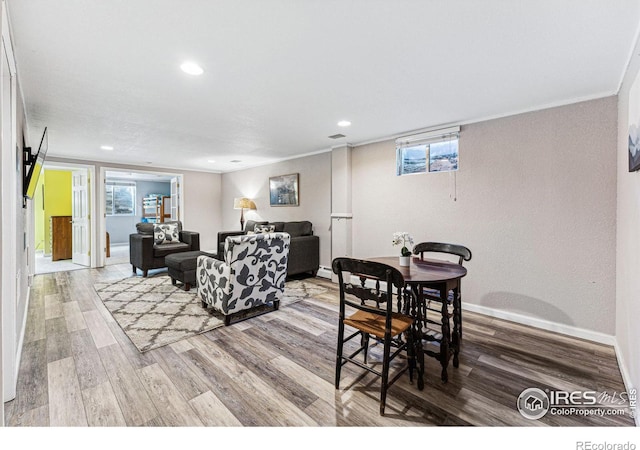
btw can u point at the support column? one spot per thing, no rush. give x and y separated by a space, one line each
341 234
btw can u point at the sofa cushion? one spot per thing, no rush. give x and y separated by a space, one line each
264 229
165 233
145 228
251 224
162 250
279 226
295 229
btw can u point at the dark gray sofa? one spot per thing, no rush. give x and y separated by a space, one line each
304 248
144 254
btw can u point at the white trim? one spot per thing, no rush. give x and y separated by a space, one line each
324 272
101 199
24 327
275 161
626 377
91 173
11 203
569 330
431 135
554 327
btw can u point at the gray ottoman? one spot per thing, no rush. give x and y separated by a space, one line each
182 267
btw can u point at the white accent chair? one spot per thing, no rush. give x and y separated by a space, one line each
250 280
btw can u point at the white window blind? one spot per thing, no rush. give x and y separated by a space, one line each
120 198
434 151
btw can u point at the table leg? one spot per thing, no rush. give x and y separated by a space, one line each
416 312
456 334
446 332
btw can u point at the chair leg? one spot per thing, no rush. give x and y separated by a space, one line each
365 346
420 357
144 273
339 353
385 374
134 268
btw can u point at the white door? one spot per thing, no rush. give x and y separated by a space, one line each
80 218
175 199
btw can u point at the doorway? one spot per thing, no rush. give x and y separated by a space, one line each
131 197
62 210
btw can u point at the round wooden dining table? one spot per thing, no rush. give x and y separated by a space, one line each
442 277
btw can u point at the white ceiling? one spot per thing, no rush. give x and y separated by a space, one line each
280 74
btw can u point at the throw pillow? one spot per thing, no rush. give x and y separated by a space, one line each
165 233
264 229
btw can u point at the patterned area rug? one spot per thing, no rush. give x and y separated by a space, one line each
154 313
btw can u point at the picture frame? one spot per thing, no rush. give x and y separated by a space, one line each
634 125
284 190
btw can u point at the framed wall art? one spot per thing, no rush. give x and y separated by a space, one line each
284 190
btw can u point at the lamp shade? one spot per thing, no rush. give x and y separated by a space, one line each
243 203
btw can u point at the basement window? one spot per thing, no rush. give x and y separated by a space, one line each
120 198
435 151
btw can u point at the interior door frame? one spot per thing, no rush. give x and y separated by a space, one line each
91 169
10 342
101 237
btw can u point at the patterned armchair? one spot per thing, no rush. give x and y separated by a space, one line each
250 280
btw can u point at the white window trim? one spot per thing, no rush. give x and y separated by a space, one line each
425 138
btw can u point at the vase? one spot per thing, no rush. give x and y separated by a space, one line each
405 261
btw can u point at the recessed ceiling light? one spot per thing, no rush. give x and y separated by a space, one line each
211 160
191 68
344 123
106 147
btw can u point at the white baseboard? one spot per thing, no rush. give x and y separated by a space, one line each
569 330
626 378
23 332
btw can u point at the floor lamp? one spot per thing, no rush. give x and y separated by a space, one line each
243 203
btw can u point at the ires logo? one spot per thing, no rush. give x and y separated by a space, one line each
534 403
575 398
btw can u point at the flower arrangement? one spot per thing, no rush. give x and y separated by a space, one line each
403 238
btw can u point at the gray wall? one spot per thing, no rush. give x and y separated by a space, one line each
315 196
535 204
120 227
534 199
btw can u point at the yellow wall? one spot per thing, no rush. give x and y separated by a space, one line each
38 211
57 199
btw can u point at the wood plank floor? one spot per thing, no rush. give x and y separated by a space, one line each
78 368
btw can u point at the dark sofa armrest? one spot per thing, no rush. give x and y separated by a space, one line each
192 238
140 249
304 255
222 236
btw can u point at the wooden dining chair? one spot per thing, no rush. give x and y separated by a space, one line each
373 316
432 296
